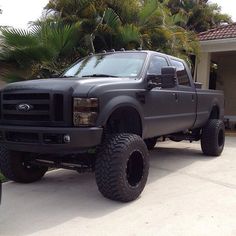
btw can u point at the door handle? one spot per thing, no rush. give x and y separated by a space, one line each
193 98
176 97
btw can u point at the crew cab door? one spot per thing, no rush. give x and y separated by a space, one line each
161 110
186 94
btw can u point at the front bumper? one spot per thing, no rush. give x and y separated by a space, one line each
48 139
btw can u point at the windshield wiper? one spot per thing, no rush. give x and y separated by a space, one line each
100 75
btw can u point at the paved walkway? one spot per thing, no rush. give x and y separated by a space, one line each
187 194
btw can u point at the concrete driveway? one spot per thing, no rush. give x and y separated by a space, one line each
187 194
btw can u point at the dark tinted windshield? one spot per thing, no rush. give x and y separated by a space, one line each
109 65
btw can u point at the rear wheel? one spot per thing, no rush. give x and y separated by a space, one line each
122 167
213 138
150 143
14 166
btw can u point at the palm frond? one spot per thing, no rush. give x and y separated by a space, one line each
147 11
180 18
129 34
111 19
15 38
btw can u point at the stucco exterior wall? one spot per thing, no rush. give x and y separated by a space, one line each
223 52
227 82
203 69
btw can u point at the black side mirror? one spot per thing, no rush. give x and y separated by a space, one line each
167 79
169 76
153 81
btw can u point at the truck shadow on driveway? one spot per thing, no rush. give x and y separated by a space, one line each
64 195
172 159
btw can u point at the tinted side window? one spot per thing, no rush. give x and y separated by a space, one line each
156 64
182 74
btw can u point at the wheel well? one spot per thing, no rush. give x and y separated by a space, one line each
215 113
125 120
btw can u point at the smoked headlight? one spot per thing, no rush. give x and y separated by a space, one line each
85 111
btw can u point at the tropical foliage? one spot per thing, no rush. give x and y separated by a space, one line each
198 15
130 24
42 51
72 29
2 178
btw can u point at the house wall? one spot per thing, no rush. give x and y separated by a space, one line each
226 81
203 69
223 52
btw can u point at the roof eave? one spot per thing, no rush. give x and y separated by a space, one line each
217 41
218 45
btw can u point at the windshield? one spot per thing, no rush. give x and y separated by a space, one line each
108 65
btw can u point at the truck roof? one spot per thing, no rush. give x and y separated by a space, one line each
150 52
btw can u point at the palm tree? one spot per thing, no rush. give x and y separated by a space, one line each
200 15
157 29
73 28
44 50
107 24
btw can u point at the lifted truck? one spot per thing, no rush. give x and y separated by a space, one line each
102 115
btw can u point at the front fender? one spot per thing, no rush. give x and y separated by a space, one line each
114 104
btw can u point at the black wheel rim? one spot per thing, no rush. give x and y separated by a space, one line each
135 168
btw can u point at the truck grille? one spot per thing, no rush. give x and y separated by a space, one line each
31 108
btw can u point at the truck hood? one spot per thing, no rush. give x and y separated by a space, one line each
80 86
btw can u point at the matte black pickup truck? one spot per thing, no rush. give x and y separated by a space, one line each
102 115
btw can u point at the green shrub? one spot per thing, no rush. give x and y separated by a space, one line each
2 178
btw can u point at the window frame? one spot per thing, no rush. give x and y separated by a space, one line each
186 70
160 56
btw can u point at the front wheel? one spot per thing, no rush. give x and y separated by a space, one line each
213 138
14 166
122 167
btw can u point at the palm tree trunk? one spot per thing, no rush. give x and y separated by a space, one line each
91 43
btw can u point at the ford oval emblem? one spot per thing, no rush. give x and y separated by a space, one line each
24 107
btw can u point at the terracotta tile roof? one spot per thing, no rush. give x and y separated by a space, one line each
222 32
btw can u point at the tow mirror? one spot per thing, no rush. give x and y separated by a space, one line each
153 81
169 76
167 79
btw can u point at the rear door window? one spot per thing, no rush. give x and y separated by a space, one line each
182 75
